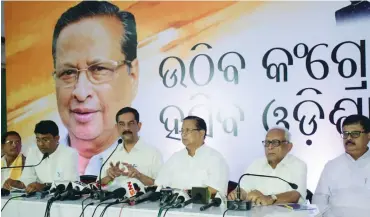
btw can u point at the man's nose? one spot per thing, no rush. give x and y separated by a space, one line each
83 87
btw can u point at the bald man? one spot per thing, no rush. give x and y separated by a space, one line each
268 191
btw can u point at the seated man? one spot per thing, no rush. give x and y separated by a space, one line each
267 191
11 145
61 165
197 165
141 160
345 180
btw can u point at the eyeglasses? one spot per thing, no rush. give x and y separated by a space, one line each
187 131
275 143
354 134
43 140
97 73
10 142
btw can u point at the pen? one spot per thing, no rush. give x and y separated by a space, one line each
289 207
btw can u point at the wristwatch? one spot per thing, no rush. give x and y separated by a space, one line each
274 198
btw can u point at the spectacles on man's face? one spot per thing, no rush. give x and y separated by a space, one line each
97 73
353 134
43 140
275 143
10 142
187 131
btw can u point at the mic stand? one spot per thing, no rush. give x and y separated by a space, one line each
239 204
100 192
43 158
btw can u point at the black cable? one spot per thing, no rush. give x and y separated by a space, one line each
83 209
102 203
105 208
49 208
223 215
166 211
10 200
82 205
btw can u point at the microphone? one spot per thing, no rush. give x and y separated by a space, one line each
215 202
43 158
66 193
116 194
166 193
59 188
152 196
131 189
170 200
292 185
247 205
187 202
4 192
101 193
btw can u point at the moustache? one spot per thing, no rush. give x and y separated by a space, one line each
126 132
350 142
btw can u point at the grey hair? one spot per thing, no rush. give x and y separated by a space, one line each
287 134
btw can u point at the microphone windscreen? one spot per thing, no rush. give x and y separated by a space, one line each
4 192
45 156
119 141
60 188
155 196
294 186
119 192
217 201
183 194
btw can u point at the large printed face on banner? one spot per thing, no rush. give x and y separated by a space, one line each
92 80
244 67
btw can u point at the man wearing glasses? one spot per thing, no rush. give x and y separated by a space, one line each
345 180
197 165
96 72
11 145
61 165
268 191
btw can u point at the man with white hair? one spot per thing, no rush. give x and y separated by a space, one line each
268 191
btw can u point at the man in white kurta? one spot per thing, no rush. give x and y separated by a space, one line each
198 165
142 157
267 191
61 165
133 161
344 186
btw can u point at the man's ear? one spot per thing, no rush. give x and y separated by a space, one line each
57 138
134 76
290 146
139 125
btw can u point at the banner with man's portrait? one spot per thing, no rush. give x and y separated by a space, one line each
242 66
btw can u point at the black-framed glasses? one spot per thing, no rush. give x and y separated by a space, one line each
275 143
97 73
187 131
353 134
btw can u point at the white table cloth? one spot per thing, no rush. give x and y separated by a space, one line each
31 207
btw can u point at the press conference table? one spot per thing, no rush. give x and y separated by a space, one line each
32 207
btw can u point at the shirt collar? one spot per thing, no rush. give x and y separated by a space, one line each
139 144
198 151
283 162
363 157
